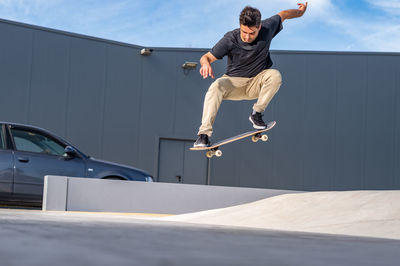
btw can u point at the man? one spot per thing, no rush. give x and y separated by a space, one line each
249 75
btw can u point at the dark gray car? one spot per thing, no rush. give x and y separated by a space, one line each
28 153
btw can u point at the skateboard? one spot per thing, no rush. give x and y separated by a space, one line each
256 135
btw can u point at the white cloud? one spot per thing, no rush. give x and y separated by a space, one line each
384 38
374 33
26 10
389 6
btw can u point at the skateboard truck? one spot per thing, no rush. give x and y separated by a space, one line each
259 136
213 152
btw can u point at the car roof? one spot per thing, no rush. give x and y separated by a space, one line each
33 127
23 125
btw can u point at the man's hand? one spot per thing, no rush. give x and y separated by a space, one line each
293 13
302 8
206 69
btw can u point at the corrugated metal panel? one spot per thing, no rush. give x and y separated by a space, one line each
397 128
380 122
157 103
319 122
290 132
122 100
49 82
86 91
15 72
350 121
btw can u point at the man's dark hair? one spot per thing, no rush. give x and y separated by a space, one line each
250 17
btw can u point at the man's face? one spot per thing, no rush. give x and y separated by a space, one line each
249 34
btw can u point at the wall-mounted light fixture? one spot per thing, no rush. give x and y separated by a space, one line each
146 51
189 65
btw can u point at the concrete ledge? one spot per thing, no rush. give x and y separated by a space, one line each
97 195
55 193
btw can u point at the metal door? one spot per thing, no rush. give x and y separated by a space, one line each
177 164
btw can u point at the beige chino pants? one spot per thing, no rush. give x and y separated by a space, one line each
262 87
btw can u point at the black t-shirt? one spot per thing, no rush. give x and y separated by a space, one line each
248 59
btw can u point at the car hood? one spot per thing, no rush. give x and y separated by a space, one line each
117 164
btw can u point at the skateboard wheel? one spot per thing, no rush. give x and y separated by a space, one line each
264 137
254 139
218 153
209 154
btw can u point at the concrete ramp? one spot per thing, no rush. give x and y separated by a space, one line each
357 213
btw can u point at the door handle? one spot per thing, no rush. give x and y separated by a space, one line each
179 178
23 159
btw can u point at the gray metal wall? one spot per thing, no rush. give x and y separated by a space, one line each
338 114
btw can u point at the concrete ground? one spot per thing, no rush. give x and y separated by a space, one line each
32 237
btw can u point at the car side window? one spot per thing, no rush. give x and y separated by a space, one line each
31 141
2 141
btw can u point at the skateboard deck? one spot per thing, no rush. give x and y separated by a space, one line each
255 136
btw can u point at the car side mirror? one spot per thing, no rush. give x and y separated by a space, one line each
70 151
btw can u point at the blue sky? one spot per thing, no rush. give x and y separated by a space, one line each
328 25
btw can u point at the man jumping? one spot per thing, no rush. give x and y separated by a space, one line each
249 75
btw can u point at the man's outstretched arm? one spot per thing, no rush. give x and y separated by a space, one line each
293 13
